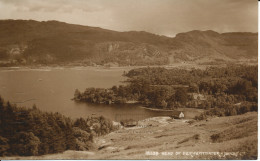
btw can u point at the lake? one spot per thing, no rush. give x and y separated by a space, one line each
52 89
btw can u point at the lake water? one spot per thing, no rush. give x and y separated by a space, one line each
52 89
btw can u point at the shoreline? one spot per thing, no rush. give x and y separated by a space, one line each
167 66
155 109
49 68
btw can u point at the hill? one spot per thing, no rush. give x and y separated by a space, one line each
51 42
237 139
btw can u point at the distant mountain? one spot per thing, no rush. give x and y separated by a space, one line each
52 42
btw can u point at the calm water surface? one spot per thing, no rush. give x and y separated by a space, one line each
51 89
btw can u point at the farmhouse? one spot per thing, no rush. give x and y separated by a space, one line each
177 115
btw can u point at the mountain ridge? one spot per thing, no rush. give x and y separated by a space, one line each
52 42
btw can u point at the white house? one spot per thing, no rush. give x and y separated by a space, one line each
177 115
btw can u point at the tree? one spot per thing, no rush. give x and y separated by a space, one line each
4 146
114 89
163 104
121 91
181 95
193 88
77 94
26 144
34 107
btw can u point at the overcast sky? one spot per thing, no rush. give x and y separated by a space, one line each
164 17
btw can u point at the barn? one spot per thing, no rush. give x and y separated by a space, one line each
177 114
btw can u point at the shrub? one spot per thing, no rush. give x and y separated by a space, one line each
215 137
202 116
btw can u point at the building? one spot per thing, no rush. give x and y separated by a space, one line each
129 123
197 96
177 115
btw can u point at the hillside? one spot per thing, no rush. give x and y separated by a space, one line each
28 42
225 135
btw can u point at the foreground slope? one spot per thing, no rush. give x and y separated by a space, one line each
52 42
225 135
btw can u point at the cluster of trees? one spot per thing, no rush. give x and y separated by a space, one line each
137 91
172 88
229 110
29 131
100 95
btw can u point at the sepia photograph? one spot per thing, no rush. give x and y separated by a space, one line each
128 79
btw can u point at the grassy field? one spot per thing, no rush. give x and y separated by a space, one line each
164 138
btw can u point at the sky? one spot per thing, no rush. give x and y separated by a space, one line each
163 17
